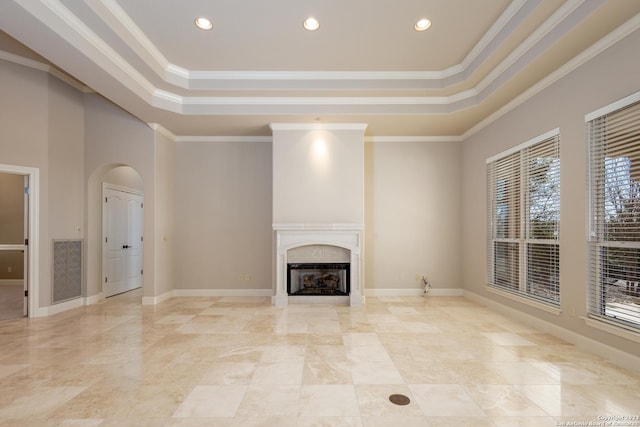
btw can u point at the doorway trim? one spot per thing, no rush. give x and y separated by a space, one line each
121 189
33 250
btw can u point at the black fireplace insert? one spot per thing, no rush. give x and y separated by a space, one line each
318 279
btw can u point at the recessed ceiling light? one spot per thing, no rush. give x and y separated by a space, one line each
311 23
422 25
203 23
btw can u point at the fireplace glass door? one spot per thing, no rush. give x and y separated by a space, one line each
318 279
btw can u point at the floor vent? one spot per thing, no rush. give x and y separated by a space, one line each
67 270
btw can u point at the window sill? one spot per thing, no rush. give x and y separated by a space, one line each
527 301
612 328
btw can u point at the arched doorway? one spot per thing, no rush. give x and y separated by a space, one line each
115 224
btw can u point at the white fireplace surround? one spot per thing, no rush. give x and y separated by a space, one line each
291 236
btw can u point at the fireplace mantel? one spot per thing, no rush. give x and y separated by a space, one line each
294 235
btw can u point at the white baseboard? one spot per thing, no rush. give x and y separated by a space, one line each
158 299
94 299
59 308
619 357
412 292
223 292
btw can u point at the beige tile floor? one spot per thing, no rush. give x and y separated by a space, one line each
242 362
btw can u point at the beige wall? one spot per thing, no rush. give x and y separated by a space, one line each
222 215
412 215
124 176
66 161
24 142
41 126
608 77
114 138
164 209
318 176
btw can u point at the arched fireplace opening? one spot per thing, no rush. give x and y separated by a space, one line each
323 270
307 279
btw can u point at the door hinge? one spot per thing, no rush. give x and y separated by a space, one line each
26 293
105 279
26 242
141 272
106 240
141 238
26 190
105 200
142 205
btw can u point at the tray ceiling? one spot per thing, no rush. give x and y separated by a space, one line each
365 63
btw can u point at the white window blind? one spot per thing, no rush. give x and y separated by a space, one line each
524 219
614 238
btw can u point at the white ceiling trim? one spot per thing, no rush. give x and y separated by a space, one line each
268 139
606 42
114 16
64 23
78 34
552 23
21 60
223 139
57 20
68 26
412 139
37 65
492 35
318 126
162 130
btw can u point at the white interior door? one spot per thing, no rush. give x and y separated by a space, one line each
122 241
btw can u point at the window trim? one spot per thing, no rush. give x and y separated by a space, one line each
547 135
520 294
521 298
600 321
611 327
614 106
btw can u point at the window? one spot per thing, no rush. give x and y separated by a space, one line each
614 234
524 219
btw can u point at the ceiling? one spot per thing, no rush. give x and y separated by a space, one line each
365 63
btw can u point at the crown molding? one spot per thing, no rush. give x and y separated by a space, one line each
115 17
412 139
60 20
162 131
223 139
493 35
21 60
526 52
63 22
318 126
268 139
606 42
41 66
121 23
